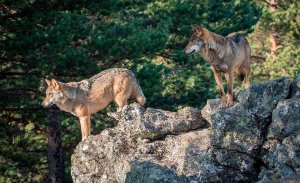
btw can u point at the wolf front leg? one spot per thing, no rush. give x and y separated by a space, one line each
229 78
85 126
219 82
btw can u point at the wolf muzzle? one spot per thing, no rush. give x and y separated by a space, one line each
47 106
188 54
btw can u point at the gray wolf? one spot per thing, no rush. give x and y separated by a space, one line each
92 95
225 55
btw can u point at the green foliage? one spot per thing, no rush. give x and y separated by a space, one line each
286 22
72 40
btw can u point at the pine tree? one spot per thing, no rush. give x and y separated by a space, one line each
72 40
276 38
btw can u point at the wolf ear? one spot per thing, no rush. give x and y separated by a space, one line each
57 85
195 27
49 83
198 30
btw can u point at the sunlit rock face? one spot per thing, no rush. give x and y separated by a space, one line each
256 140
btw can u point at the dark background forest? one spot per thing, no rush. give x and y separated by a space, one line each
71 40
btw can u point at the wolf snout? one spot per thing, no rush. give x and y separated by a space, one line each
188 53
185 51
46 105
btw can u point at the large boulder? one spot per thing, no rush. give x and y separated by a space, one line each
281 151
260 99
238 132
295 89
257 139
147 146
243 126
155 123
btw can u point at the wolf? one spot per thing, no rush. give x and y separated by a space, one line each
225 55
92 95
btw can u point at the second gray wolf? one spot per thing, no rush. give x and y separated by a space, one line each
225 55
92 95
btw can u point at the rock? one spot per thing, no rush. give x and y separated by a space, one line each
298 81
155 123
152 173
116 157
122 155
292 179
233 128
285 119
257 139
191 155
238 132
281 151
295 89
260 99
242 127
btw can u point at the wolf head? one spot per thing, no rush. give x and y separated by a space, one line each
197 40
54 93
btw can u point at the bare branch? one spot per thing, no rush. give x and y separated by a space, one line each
258 58
269 4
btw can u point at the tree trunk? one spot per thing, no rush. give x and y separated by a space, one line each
54 150
274 36
274 42
273 5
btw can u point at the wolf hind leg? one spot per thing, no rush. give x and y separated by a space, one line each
121 102
243 73
122 92
246 80
122 99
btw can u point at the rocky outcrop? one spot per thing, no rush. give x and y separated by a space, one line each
255 140
281 152
295 89
145 145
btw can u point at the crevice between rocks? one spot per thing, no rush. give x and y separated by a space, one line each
259 161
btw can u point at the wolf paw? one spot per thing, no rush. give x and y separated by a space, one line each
229 103
226 102
223 102
226 105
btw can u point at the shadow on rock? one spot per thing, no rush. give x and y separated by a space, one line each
148 172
